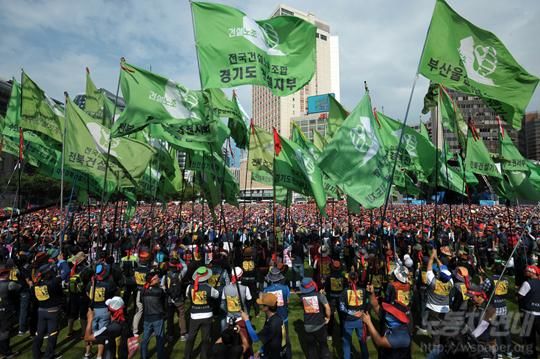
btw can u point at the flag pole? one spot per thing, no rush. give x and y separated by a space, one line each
251 128
64 133
19 173
101 204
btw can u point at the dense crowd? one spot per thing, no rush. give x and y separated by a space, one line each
447 273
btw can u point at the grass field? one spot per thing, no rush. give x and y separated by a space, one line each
74 348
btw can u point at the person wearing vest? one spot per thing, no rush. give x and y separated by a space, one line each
276 285
334 285
272 334
99 289
199 293
396 341
47 290
438 297
140 272
128 264
316 317
482 318
322 265
352 303
529 300
249 277
8 290
458 294
79 277
176 296
153 299
398 291
501 323
232 304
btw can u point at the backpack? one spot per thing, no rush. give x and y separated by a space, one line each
174 286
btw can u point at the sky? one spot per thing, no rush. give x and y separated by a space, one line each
380 42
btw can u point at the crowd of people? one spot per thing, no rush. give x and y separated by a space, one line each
445 277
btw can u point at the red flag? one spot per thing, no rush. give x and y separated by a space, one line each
277 143
21 144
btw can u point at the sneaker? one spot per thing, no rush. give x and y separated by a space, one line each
183 338
88 355
22 334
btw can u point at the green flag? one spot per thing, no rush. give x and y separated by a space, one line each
261 147
477 158
296 169
96 104
151 98
417 154
318 140
466 58
233 49
405 184
512 160
336 116
355 159
450 178
237 124
526 185
39 112
451 117
424 132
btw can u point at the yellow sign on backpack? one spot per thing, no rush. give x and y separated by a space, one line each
42 293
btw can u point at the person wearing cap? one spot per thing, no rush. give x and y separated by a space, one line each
47 289
153 299
396 341
316 316
333 288
100 288
271 335
114 335
249 277
352 303
78 301
139 273
276 285
437 296
322 266
398 291
529 304
176 296
200 293
8 288
458 294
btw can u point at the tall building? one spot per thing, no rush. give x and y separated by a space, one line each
529 136
270 111
474 108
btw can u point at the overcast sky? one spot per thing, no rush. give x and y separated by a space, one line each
380 41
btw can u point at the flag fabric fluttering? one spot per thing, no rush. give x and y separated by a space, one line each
355 159
96 104
151 98
466 58
336 116
478 159
234 49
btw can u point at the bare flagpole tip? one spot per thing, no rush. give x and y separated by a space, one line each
87 70
66 95
366 86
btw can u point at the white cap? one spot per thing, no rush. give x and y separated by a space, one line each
115 303
408 261
237 272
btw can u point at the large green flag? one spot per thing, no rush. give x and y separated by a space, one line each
417 154
151 98
39 112
355 159
296 169
233 49
526 185
96 104
478 159
336 116
466 58
87 145
300 139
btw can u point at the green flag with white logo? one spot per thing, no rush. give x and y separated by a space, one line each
234 49
261 147
466 58
355 159
512 160
39 112
296 169
151 98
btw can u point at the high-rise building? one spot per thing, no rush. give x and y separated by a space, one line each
271 111
483 117
529 136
